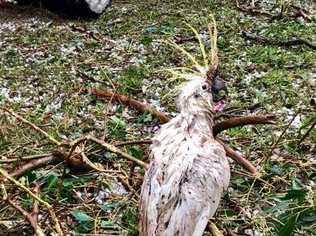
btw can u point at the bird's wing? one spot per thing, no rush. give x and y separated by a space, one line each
182 190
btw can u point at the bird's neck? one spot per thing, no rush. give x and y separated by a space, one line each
198 122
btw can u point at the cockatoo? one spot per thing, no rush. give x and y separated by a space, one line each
189 169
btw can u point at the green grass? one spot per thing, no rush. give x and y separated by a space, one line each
41 64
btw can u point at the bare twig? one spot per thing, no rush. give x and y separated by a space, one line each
301 12
132 142
33 126
213 229
34 164
116 150
25 158
76 160
130 102
283 132
307 133
180 39
251 10
35 210
38 231
229 232
241 121
93 166
34 196
238 158
298 12
272 41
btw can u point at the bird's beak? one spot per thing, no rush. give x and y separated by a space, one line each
219 89
219 92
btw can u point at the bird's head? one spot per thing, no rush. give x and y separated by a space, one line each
200 94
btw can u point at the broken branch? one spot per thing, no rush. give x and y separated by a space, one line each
34 196
35 210
241 121
132 142
33 126
220 126
34 164
307 133
213 229
117 151
38 231
130 102
251 10
238 158
25 158
277 42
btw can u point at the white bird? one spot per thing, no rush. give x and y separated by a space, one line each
189 169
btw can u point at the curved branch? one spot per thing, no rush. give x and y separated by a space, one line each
49 207
34 164
278 42
238 158
130 102
37 230
241 121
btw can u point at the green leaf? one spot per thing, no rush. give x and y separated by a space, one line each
308 216
144 118
281 206
117 127
110 206
117 121
136 151
296 184
51 181
298 194
288 228
81 216
146 40
106 224
31 176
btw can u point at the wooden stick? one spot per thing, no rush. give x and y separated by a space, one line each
284 131
25 158
307 133
33 126
272 41
213 229
46 204
130 102
251 10
117 151
35 210
132 142
241 121
238 158
38 231
34 164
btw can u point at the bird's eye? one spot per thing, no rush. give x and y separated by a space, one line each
204 87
